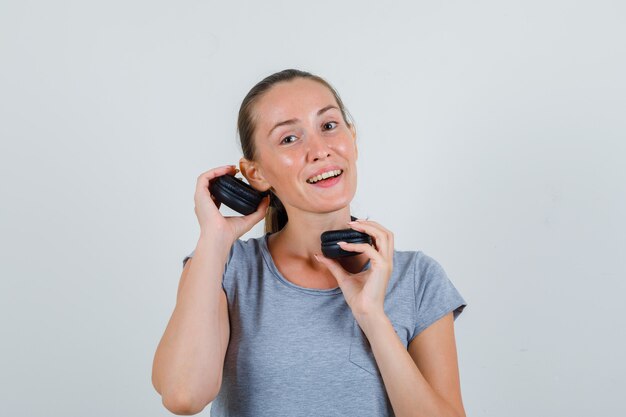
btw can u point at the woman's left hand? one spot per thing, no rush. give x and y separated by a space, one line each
365 291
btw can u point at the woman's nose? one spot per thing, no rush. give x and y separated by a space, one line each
318 148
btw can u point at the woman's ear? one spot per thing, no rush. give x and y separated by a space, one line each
251 171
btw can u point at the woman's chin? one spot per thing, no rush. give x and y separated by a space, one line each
332 206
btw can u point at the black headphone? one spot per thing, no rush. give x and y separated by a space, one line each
236 194
329 239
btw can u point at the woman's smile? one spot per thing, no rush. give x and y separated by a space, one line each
326 179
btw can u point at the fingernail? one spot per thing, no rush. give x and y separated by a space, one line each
341 242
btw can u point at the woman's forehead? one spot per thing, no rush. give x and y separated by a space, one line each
293 99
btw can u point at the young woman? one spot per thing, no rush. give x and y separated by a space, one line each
269 326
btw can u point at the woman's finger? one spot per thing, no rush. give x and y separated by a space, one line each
381 238
205 178
217 172
375 256
384 230
248 221
206 206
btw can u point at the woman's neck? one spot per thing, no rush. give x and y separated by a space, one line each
300 239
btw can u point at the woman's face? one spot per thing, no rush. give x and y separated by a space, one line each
299 134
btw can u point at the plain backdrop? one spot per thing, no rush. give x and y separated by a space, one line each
491 136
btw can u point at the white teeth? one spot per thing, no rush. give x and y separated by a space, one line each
324 175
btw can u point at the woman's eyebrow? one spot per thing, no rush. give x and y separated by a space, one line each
292 121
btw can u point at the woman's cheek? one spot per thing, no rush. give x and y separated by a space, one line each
287 160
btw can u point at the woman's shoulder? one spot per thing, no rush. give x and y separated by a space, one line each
409 257
250 244
419 267
420 260
249 251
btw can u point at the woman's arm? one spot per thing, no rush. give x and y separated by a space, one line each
423 381
432 390
188 363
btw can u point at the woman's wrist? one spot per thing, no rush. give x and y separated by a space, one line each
215 242
370 320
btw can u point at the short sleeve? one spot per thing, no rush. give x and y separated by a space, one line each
435 295
187 257
231 253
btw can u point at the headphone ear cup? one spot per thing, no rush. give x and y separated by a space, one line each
332 250
236 194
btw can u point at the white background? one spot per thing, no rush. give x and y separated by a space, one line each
491 137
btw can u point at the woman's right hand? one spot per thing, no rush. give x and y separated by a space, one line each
212 223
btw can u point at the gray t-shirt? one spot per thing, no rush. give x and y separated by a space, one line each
297 351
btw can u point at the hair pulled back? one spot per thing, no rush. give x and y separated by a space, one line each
276 217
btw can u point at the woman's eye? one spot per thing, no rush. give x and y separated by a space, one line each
330 125
285 139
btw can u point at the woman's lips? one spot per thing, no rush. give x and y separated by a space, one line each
328 182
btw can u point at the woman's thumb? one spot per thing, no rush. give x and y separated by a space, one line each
259 214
